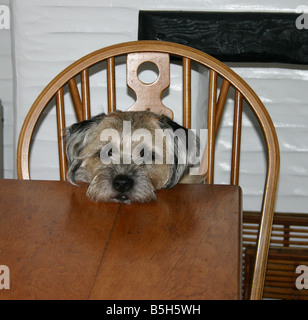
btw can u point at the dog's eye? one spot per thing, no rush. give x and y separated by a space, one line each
148 154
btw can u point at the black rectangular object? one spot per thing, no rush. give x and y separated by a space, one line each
230 36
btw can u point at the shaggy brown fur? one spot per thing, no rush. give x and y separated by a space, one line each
88 155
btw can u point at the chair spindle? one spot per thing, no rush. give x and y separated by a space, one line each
236 144
211 125
111 85
61 133
76 99
221 102
187 93
85 91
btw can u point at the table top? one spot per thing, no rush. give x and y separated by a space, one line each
58 244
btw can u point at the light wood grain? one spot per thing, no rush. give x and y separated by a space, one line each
61 133
85 91
187 93
76 99
111 85
211 126
236 143
149 94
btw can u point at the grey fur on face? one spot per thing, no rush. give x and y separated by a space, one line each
128 182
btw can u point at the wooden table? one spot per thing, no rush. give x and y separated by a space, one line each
59 245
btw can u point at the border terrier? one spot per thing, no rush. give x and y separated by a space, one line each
127 156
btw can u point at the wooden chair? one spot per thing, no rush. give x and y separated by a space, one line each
149 95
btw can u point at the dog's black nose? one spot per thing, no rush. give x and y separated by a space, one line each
122 183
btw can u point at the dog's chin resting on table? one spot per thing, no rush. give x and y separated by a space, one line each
126 156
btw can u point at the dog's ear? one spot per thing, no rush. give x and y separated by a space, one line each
186 143
77 136
167 123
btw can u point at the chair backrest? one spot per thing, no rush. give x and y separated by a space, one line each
149 95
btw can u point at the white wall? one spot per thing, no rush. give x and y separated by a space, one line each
6 96
48 35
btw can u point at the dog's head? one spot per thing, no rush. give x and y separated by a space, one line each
126 156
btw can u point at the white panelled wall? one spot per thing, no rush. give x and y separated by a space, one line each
6 92
48 35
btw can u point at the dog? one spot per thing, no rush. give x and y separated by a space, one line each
119 156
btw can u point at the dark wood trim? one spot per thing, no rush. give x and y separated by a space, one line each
298 219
